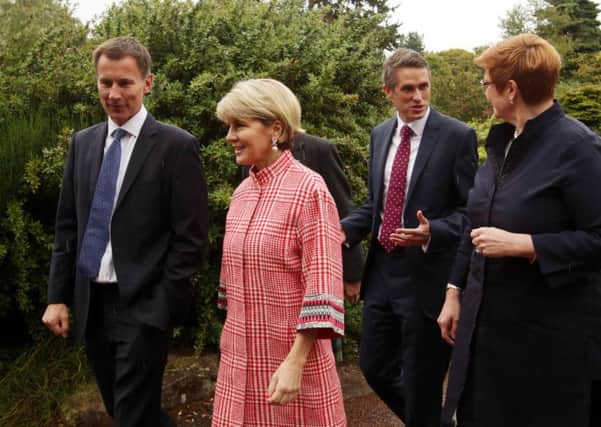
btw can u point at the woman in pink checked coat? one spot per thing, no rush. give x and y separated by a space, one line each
281 274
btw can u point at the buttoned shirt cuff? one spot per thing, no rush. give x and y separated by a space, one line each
451 286
426 245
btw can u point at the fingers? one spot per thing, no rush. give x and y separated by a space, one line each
453 332
447 332
280 395
272 384
422 218
342 236
56 318
352 291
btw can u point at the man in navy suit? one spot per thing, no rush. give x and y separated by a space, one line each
421 167
131 224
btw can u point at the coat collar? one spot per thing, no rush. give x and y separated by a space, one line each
500 135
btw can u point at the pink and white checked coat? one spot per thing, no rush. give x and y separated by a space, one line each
281 272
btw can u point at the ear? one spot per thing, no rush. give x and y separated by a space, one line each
148 83
512 88
387 91
277 128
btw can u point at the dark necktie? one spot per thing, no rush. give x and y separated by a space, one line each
395 198
96 236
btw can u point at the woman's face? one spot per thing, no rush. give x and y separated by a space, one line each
499 99
252 144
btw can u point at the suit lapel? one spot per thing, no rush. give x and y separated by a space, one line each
95 154
381 153
426 145
144 145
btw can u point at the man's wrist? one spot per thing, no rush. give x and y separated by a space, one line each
454 288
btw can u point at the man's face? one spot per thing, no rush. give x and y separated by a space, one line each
121 87
411 94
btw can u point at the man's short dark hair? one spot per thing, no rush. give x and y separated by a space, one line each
120 47
401 57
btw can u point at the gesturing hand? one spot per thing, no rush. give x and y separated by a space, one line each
417 236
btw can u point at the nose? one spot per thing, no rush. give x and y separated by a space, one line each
231 135
417 95
114 92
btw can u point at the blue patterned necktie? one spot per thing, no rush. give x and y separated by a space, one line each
96 236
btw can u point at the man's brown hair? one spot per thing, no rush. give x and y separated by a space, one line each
120 47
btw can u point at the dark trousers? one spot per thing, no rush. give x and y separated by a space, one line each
402 355
128 359
466 410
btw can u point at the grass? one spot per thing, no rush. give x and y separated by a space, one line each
36 383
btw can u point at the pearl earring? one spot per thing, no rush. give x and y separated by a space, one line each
274 143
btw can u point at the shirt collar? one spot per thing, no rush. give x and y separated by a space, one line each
417 126
133 126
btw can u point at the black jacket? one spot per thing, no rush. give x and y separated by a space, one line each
158 229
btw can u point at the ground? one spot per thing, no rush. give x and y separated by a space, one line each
189 385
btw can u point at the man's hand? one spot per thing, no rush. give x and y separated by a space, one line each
352 291
285 383
342 236
56 318
493 242
449 316
418 236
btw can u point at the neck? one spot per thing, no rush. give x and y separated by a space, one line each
269 160
526 112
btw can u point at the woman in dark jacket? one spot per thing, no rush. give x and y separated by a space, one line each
527 343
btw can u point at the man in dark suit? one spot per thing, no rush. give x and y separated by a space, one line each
422 165
321 156
130 228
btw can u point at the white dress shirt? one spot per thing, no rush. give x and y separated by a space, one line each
107 273
417 127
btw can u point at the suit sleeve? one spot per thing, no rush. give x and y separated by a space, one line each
189 226
447 230
332 171
358 223
567 256
62 263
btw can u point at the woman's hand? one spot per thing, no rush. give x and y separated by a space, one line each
285 382
493 242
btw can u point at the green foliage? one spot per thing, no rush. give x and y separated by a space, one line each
44 56
518 20
455 85
27 238
32 389
21 137
201 49
581 101
413 40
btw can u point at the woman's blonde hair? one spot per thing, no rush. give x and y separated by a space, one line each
531 61
266 100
